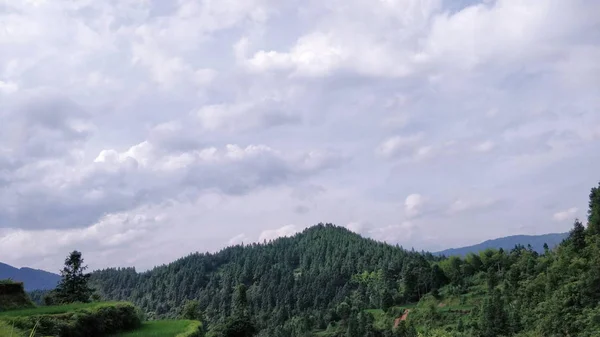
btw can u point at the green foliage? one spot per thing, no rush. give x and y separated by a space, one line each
56 309
594 211
74 284
293 283
96 320
191 310
37 296
166 328
7 329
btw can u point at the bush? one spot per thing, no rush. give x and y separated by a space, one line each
99 321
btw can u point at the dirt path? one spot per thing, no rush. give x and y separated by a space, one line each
401 318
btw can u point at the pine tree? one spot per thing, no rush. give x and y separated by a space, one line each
577 235
594 211
240 324
74 284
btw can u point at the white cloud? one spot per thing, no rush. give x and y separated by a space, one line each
315 54
239 239
402 232
272 234
358 227
110 231
8 87
246 116
486 146
568 214
207 112
413 205
395 145
464 205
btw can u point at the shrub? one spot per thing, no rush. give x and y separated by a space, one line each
99 321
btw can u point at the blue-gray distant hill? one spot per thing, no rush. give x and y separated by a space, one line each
508 243
33 279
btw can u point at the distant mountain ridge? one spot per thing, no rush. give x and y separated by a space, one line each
33 279
508 243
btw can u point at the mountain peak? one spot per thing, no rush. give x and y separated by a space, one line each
33 279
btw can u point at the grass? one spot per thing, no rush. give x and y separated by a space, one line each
7 330
166 328
55 309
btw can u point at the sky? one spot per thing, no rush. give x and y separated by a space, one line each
139 131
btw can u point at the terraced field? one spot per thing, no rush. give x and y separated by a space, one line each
166 328
110 317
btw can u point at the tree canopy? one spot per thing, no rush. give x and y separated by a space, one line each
73 286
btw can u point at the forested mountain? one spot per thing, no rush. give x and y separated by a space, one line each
32 278
328 281
302 276
536 242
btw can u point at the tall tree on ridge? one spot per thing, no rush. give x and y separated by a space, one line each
74 284
594 211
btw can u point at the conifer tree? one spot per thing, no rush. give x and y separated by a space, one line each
74 284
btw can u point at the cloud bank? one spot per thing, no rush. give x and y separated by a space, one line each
189 125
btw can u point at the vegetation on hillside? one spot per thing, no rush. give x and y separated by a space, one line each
75 320
166 328
13 296
292 283
328 281
78 316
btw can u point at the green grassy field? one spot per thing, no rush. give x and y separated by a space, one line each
50 310
167 328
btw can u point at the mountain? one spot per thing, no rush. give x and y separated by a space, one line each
308 274
33 279
508 243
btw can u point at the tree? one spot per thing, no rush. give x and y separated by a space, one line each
594 211
577 235
74 284
353 328
240 301
191 310
240 324
493 319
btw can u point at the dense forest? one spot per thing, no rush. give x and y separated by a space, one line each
328 281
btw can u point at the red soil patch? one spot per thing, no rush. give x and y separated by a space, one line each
441 305
401 318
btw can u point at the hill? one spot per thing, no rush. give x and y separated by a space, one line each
509 242
34 279
308 275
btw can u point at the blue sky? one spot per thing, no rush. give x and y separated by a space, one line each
138 131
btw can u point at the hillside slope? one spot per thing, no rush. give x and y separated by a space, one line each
508 243
33 279
304 275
